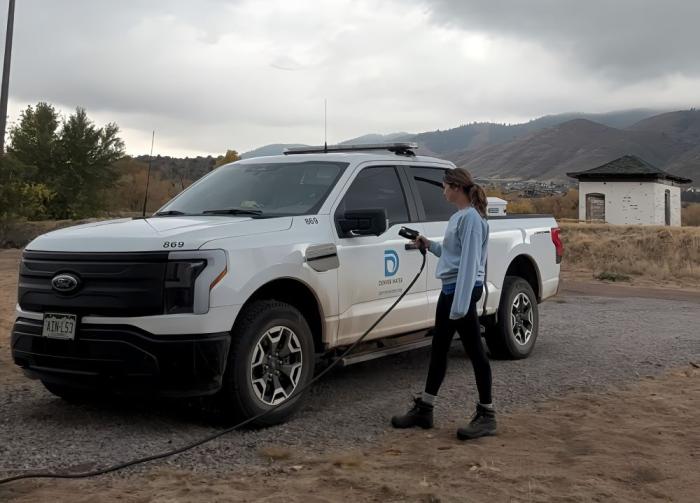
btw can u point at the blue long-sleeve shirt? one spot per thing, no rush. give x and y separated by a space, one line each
462 257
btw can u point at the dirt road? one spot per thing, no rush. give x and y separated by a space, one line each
639 444
581 423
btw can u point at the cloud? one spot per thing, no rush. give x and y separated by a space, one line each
217 74
625 40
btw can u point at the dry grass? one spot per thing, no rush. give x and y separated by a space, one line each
275 453
610 251
345 460
561 206
690 214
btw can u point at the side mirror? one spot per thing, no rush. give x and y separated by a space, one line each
371 222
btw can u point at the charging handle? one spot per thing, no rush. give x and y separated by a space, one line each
411 234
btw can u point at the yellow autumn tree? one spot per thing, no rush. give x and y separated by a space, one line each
231 156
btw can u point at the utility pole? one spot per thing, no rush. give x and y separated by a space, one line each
6 74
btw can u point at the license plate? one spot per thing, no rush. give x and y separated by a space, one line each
60 326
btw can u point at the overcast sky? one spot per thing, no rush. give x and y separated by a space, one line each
216 74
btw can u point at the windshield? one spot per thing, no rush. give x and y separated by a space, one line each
259 190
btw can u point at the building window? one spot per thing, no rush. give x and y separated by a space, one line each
667 206
595 207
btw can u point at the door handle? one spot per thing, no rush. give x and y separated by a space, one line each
411 246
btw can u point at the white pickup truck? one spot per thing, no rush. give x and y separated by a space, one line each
242 281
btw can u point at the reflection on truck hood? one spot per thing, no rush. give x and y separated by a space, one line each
150 234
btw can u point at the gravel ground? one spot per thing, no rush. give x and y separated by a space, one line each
586 343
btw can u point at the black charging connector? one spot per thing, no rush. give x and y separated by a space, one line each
407 233
412 234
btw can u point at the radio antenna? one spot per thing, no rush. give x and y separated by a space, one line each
148 176
325 125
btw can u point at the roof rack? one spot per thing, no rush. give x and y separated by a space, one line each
400 148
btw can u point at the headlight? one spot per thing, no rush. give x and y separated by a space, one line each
189 277
180 278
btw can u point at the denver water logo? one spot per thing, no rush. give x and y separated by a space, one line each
391 263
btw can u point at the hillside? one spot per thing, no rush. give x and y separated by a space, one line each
582 144
483 134
682 126
273 149
278 148
174 168
376 138
477 134
545 148
686 164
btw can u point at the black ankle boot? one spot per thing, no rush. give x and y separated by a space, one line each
421 414
483 424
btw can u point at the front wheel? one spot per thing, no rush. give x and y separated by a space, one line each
270 360
513 336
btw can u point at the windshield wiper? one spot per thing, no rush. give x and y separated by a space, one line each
169 213
232 211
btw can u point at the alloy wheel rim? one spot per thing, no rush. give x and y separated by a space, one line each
522 319
276 365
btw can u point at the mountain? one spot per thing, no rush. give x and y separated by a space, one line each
686 164
274 149
483 134
669 141
544 148
376 138
278 148
442 143
682 126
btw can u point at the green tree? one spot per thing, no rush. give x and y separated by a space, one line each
33 141
73 161
19 195
86 155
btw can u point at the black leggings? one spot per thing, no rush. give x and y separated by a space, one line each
470 332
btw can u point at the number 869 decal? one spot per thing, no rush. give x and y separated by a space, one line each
173 244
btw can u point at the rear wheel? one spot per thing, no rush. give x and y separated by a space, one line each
271 359
514 334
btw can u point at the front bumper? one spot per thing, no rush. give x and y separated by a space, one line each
124 359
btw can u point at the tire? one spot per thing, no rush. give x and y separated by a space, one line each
514 334
263 329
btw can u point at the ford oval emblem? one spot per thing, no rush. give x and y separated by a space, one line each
65 283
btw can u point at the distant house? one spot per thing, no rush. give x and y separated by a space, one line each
629 191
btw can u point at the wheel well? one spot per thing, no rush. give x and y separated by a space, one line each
299 295
523 266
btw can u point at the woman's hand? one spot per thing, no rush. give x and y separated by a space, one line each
422 242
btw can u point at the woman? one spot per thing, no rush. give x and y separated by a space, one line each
461 268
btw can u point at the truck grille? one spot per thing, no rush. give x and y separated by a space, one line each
109 284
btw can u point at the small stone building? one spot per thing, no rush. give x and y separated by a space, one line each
629 191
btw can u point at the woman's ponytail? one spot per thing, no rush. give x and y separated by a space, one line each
477 196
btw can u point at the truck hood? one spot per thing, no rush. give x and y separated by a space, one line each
151 234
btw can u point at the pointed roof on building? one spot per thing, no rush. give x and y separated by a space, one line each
627 167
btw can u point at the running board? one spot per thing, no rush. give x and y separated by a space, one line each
421 341
391 346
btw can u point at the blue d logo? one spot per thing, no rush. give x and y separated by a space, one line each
391 262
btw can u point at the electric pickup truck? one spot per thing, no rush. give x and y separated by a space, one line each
240 284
